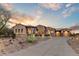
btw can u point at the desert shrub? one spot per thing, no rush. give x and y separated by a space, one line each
31 38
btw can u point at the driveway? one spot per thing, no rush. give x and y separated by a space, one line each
52 47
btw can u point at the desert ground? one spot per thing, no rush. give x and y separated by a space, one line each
56 46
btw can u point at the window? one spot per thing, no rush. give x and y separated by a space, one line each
18 30
21 30
15 30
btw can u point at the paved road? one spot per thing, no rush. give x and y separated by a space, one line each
51 47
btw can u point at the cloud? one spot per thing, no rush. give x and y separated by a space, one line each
69 11
38 14
7 6
68 5
52 6
18 17
21 18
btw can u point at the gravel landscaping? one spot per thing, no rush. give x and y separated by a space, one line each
74 43
9 45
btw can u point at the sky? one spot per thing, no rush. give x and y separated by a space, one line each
57 15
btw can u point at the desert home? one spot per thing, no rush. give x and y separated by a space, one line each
39 30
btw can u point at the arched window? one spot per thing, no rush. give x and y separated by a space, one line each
21 30
15 30
18 30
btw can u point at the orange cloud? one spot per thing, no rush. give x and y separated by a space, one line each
21 18
18 17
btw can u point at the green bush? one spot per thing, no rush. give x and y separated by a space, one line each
31 38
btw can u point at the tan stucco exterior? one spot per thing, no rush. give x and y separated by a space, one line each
23 31
20 30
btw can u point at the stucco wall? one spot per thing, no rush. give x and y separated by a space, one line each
19 27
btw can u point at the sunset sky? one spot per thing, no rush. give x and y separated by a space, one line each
48 14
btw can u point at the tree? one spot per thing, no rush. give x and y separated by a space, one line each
6 32
5 15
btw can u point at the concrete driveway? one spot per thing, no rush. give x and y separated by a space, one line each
52 47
